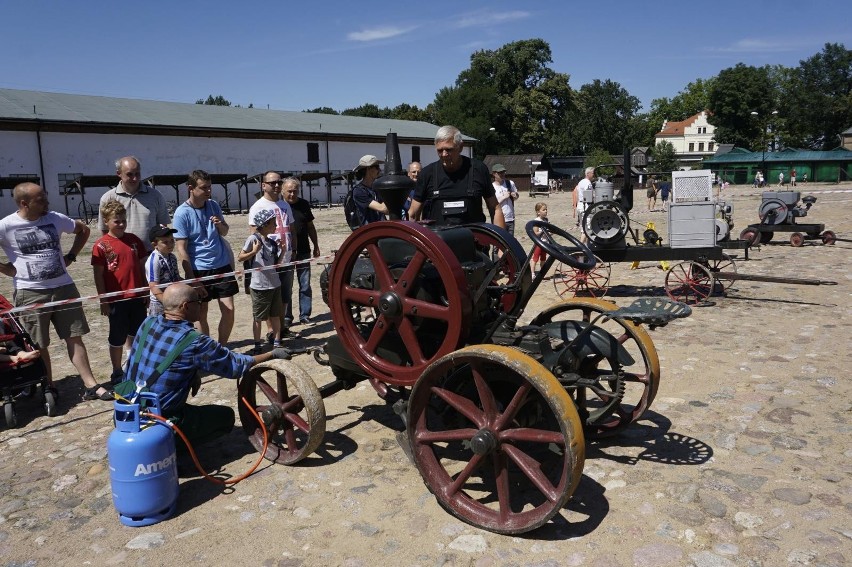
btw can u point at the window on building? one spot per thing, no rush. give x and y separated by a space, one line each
700 146
710 146
313 152
692 146
415 153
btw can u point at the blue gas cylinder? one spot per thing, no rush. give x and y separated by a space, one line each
142 464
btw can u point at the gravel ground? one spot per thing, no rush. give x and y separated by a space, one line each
744 458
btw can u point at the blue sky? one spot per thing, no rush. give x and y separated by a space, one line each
299 55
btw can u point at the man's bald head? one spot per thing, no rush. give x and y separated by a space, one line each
25 191
176 295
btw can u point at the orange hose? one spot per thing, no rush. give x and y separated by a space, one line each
195 458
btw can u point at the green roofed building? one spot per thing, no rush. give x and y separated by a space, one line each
738 165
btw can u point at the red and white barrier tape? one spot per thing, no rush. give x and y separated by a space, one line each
146 289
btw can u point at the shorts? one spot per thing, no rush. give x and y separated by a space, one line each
68 320
539 255
125 317
266 303
220 287
650 192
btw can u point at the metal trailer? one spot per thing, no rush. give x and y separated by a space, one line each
778 212
698 240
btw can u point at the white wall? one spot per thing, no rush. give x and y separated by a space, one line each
95 154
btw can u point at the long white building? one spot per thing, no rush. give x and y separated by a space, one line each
70 143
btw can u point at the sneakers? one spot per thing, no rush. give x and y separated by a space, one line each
305 321
117 376
288 334
92 394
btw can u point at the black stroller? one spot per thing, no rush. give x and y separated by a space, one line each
20 379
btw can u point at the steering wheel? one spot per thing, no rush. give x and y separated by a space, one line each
564 254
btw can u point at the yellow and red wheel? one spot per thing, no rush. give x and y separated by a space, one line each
291 407
496 438
412 308
639 382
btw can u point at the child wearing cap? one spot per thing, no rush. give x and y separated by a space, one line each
161 267
266 302
117 264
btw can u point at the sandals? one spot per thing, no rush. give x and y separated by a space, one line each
92 394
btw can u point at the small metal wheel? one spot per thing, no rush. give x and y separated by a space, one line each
689 282
640 379
11 416
766 237
726 264
413 284
828 237
797 239
570 282
496 438
291 407
49 404
750 235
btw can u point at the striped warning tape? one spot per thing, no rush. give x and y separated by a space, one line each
145 290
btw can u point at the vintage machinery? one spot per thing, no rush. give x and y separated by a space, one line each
496 413
778 212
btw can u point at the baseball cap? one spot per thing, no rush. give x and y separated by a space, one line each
497 168
159 231
262 217
368 161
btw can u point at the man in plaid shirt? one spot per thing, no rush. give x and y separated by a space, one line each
159 336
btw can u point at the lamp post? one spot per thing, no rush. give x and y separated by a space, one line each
763 146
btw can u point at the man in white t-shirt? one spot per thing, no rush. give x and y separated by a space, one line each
579 205
506 193
271 184
31 240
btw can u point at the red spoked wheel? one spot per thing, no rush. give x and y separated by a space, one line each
751 235
570 282
689 282
725 265
797 239
499 244
640 380
291 407
413 291
496 438
828 237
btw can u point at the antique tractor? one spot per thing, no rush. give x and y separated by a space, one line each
778 212
496 413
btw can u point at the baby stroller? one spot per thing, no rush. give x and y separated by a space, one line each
20 379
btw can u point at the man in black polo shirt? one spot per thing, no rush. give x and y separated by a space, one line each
449 190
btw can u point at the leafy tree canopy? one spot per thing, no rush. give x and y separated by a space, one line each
217 100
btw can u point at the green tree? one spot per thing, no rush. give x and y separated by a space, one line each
603 115
408 112
734 95
601 160
217 100
367 111
664 158
322 110
817 101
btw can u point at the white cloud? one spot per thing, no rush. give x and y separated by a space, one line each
483 18
376 34
757 46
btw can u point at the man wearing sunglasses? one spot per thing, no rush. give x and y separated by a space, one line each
145 206
450 190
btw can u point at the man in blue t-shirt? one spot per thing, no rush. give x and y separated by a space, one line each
203 251
370 205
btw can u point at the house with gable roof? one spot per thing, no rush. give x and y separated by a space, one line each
693 139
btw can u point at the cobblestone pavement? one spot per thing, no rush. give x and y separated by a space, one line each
743 460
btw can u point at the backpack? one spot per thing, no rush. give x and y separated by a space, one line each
350 209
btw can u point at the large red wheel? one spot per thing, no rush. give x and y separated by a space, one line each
689 282
499 244
291 407
569 281
416 296
496 438
640 380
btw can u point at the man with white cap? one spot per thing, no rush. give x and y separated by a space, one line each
369 204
